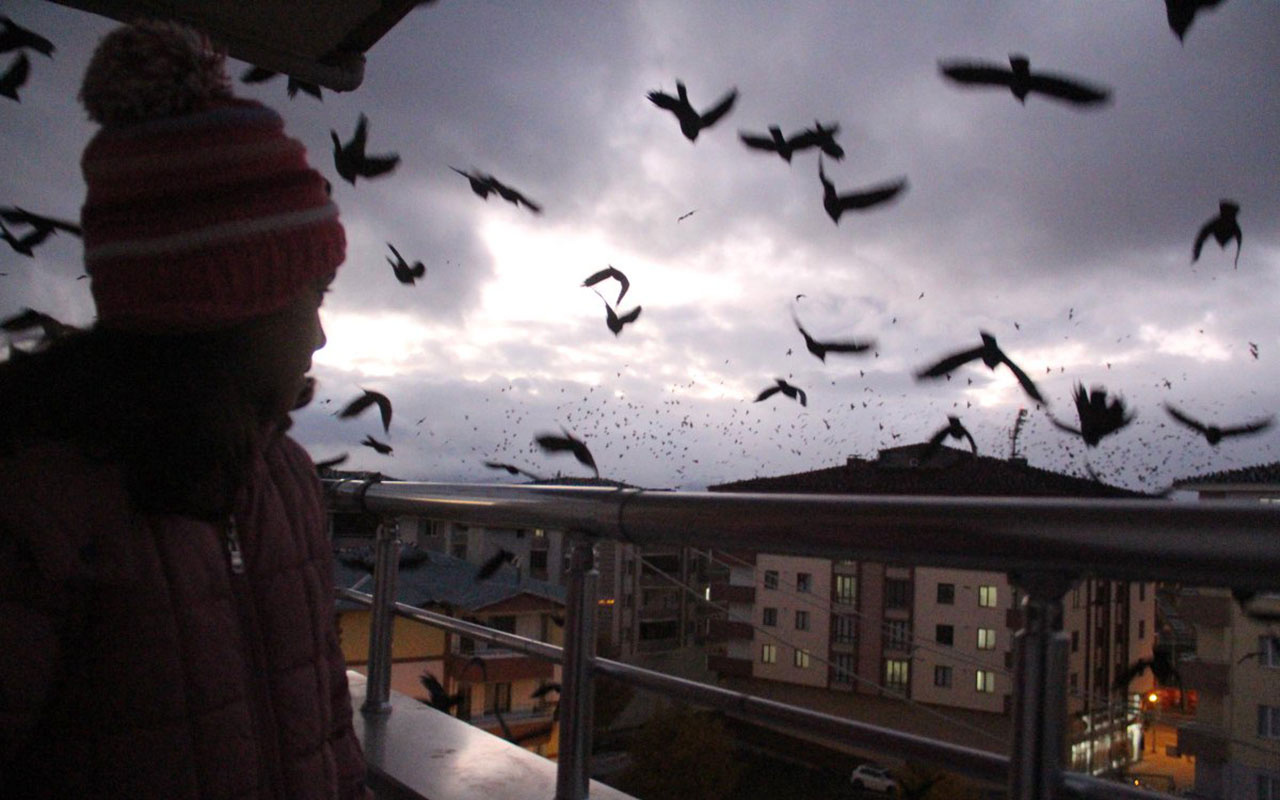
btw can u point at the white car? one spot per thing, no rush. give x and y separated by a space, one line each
877 779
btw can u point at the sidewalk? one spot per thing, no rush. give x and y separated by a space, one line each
1181 770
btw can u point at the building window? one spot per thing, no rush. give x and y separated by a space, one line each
1142 627
769 654
802 658
897 634
942 676
802 620
458 548
771 579
538 562
804 582
897 673
1269 651
843 665
497 697
770 617
986 638
1142 592
1268 787
946 594
987 596
845 627
945 634
1075 641
1269 722
986 681
847 589
897 593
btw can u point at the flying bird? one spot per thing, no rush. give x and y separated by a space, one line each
1021 81
403 272
350 159
606 273
330 463
686 215
837 204
369 398
382 447
955 430
1214 434
775 142
260 75
25 244
484 185
29 319
551 443
616 322
511 469
795 393
1098 416
1223 228
494 563
15 37
820 349
992 356
437 697
820 136
1182 13
14 77
20 216
691 122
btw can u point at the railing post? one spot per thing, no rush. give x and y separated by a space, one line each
573 772
1038 749
386 565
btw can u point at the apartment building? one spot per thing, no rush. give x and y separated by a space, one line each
1235 736
938 636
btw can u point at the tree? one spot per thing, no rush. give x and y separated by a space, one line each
681 754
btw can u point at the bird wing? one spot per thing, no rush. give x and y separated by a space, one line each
977 72
872 196
759 142
1068 89
1249 427
257 75
399 258
361 136
1185 420
950 363
664 100
972 444
713 115
330 463
17 74
847 346
20 216
1062 426
630 316
767 393
1201 237
1027 384
373 166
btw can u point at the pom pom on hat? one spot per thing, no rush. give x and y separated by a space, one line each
201 212
153 69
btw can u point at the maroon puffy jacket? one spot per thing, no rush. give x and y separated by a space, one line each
141 656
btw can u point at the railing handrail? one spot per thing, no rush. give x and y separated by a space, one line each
1208 544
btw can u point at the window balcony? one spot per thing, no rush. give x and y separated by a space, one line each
729 593
722 630
1043 545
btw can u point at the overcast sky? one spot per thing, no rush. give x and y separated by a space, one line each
1065 233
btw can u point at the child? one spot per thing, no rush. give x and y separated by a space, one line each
166 593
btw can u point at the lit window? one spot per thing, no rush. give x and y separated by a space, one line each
946 594
803 581
769 653
770 617
987 596
986 638
771 579
897 673
945 634
846 589
1269 722
802 620
942 676
802 659
986 681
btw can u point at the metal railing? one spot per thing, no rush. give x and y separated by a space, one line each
1043 545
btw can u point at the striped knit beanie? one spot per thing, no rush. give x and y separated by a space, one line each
200 211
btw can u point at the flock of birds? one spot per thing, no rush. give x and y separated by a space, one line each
1100 414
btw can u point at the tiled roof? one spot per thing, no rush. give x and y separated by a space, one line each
1258 474
949 472
428 578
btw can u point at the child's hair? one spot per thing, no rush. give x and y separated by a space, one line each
176 412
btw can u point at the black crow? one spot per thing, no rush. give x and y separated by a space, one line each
691 122
1182 13
795 393
382 447
992 356
350 159
1214 434
820 349
1098 416
955 430
1021 81
551 443
1223 228
14 37
606 273
355 407
14 77
837 204
403 272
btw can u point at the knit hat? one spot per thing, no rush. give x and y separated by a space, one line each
200 211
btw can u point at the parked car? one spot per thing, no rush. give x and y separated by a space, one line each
877 779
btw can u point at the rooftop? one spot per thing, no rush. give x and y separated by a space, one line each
1256 475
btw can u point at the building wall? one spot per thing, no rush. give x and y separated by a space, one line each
787 601
963 657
